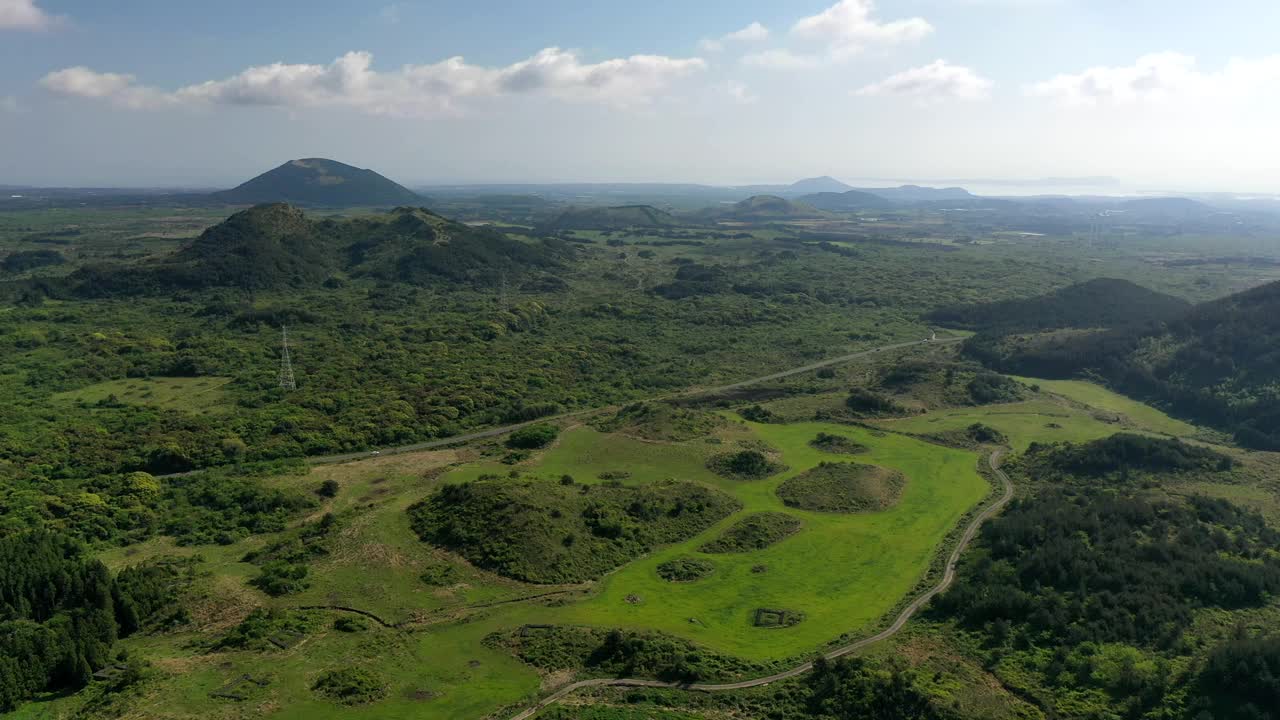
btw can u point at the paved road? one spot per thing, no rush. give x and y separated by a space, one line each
497 431
948 576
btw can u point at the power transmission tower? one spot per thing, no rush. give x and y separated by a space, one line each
286 367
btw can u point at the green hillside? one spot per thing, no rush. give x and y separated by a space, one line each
1216 363
318 181
1100 303
278 246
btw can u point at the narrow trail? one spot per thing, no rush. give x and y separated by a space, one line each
948 576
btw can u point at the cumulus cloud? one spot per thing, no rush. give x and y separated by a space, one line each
1161 76
754 32
24 15
936 81
781 59
413 90
851 25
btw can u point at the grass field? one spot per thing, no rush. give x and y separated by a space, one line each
843 571
1038 420
1096 396
198 395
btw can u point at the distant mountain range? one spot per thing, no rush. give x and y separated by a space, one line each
320 182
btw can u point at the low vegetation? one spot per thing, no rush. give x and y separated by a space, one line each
749 464
754 532
685 569
1123 455
617 653
661 421
837 444
843 488
546 532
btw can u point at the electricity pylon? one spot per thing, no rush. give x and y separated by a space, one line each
286 367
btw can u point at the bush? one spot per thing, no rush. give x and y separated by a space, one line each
280 577
685 569
863 401
533 437
350 686
744 465
328 489
350 624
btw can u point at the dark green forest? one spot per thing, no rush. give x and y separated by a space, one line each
61 612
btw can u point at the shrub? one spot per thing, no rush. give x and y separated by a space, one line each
533 437
350 686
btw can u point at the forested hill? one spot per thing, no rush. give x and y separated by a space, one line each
318 181
1099 303
763 207
278 246
1218 363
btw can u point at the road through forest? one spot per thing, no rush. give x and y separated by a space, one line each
497 431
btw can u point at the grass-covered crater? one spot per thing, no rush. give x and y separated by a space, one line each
748 464
843 487
685 569
754 532
547 532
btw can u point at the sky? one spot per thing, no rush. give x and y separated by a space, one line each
1159 94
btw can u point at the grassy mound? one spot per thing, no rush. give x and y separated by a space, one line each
744 465
837 444
546 532
622 653
843 488
1123 454
971 437
661 421
754 532
685 569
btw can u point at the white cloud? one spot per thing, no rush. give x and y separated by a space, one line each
1161 76
413 90
754 32
936 81
740 93
120 89
24 15
780 59
850 25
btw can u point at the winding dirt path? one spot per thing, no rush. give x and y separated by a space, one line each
948 577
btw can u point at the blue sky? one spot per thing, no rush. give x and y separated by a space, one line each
1168 94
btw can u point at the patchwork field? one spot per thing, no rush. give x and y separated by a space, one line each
430 611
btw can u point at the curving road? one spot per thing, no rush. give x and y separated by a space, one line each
948 576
